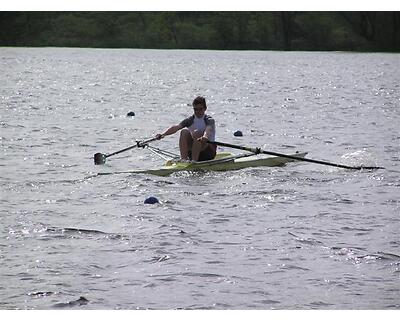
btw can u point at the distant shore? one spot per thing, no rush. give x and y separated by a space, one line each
287 31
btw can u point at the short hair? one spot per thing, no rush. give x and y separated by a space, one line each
200 100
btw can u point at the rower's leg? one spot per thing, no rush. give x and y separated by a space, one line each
197 146
185 143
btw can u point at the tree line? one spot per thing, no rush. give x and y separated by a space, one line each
322 31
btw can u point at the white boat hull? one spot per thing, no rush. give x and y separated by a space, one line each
222 162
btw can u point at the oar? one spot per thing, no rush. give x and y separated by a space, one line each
100 158
258 150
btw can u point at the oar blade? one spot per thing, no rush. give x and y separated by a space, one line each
99 158
368 168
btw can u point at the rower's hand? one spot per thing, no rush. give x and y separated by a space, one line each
159 136
203 139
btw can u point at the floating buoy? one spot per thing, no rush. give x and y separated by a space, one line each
238 133
151 200
130 114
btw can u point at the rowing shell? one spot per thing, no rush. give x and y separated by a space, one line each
223 161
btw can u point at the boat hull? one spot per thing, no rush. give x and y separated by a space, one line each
222 162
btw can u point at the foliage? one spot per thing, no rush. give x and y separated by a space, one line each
361 31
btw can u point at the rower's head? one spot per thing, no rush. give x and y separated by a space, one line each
199 106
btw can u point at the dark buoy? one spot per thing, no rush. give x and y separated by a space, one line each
151 200
238 133
130 114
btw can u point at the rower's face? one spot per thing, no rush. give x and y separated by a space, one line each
199 110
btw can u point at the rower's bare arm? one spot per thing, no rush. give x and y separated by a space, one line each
169 131
208 132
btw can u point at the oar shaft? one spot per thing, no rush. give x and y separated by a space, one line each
100 158
138 144
258 150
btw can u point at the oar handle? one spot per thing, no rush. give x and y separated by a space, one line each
234 146
258 150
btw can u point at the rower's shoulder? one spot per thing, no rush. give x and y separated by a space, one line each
209 119
187 122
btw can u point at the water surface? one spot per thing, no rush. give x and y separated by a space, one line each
303 236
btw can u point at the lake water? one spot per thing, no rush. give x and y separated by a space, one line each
302 236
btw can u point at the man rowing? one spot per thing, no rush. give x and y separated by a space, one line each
196 131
